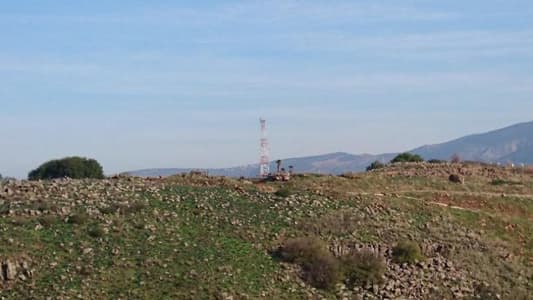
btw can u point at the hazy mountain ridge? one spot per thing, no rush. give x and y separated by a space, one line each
510 144
513 143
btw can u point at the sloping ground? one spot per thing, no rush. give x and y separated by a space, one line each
212 238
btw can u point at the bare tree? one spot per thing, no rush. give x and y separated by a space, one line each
456 158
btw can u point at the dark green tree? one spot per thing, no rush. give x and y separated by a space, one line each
71 167
407 157
375 165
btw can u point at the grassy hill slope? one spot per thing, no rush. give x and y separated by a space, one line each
214 238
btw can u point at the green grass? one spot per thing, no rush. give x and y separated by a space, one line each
505 182
197 242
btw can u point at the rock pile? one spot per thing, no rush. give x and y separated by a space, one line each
443 170
13 269
435 275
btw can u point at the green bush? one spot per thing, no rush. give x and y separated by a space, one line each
363 267
407 157
437 161
283 192
407 252
95 231
320 268
71 167
375 165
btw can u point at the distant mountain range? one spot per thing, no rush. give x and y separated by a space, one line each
510 144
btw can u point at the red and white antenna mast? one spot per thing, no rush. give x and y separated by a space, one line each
264 161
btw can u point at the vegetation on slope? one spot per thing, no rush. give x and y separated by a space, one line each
199 237
407 157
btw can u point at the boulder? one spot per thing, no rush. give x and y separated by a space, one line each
9 270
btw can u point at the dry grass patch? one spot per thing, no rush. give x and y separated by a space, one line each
320 268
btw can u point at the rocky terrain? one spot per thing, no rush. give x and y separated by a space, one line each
196 237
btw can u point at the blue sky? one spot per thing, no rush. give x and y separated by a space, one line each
140 84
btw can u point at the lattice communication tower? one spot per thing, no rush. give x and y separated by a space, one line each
264 161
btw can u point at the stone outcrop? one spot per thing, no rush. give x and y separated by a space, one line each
14 269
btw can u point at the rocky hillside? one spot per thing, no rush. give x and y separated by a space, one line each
133 238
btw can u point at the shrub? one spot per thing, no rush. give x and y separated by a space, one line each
4 209
437 161
407 252
72 167
320 268
283 192
301 249
407 157
375 165
455 158
363 267
48 220
455 179
78 218
323 271
95 231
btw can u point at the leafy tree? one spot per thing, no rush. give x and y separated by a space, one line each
72 167
375 165
407 157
